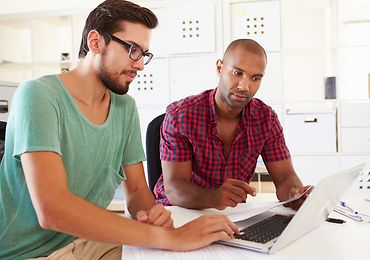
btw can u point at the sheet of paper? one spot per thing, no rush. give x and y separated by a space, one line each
214 251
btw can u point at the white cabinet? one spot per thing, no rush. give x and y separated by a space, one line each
308 131
355 127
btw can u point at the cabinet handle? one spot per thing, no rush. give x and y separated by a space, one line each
310 120
4 106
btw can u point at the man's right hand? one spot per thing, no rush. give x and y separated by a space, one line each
201 232
231 193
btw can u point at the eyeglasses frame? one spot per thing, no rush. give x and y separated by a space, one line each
129 46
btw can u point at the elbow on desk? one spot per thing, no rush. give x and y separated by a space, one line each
173 196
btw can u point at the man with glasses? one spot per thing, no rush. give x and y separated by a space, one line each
71 139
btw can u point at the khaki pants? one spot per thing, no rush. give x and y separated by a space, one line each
81 249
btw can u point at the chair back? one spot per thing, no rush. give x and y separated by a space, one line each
2 138
152 150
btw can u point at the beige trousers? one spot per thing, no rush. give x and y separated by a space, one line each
81 249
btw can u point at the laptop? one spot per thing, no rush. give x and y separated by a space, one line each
284 229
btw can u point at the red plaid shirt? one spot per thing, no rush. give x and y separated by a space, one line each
189 132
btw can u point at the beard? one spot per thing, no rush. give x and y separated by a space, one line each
111 81
226 96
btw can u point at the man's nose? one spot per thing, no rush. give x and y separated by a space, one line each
243 85
139 64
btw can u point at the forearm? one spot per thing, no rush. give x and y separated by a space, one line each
189 195
73 215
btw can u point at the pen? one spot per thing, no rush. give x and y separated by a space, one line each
335 220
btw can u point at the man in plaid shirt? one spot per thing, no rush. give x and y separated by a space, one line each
210 142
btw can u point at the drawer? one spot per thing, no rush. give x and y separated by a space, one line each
311 132
6 94
355 114
356 140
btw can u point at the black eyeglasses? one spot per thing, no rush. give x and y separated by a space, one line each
134 52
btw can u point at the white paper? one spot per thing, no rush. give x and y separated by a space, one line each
212 252
139 253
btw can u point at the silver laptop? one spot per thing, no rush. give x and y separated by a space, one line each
311 214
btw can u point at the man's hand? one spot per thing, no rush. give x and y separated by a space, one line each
201 232
157 216
231 193
296 191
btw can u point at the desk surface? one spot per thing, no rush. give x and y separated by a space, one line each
329 241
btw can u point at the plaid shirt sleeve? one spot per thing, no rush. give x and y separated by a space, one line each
275 148
174 146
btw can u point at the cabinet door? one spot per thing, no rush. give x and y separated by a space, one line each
356 140
355 114
304 75
258 20
271 89
158 43
192 75
151 85
354 70
191 29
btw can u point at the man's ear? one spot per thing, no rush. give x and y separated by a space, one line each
95 41
219 66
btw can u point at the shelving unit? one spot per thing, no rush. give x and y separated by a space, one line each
33 46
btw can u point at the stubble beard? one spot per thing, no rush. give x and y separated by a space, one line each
111 80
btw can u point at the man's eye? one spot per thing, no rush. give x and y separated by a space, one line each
237 73
134 48
256 78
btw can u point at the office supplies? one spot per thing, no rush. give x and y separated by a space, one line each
311 214
335 220
349 212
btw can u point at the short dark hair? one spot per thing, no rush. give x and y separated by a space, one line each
246 44
106 18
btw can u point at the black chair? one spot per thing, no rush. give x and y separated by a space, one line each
152 150
2 138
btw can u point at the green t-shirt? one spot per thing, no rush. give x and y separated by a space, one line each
44 117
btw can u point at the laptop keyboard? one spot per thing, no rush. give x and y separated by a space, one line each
265 230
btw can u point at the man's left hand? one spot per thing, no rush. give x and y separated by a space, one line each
296 191
157 216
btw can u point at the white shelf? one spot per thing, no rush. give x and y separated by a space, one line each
33 45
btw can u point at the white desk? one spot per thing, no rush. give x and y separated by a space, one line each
329 241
